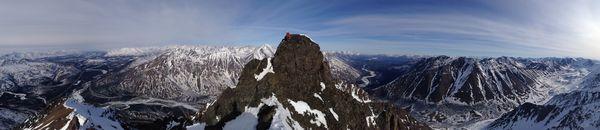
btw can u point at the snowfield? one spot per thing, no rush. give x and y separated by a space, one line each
268 69
304 109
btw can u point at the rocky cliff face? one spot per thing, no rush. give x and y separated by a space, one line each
295 89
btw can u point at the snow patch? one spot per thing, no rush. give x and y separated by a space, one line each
89 115
134 51
335 115
263 52
69 118
371 119
282 118
246 120
307 37
172 124
318 96
303 108
268 69
355 95
93 116
197 126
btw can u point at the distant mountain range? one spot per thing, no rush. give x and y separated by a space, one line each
448 91
297 85
574 110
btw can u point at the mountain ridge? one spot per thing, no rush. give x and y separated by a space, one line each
299 74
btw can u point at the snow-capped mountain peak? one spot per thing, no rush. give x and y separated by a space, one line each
263 52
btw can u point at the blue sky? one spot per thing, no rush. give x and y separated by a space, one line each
535 28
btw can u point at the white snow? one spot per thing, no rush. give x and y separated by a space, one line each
69 118
135 51
186 72
247 119
318 96
197 126
304 109
268 69
172 124
263 52
89 115
93 115
340 86
40 126
371 119
335 115
462 77
81 119
480 125
355 91
340 67
322 86
282 118
307 37
32 73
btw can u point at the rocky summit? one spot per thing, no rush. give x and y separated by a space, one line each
295 90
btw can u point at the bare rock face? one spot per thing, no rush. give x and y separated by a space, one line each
294 90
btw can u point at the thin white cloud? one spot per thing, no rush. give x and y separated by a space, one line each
447 28
515 28
551 30
109 23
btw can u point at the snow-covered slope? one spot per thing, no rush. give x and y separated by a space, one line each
574 110
341 68
185 74
74 113
458 91
30 82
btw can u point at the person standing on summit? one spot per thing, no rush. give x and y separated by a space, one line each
287 35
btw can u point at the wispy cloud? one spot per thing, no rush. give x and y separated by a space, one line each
488 28
110 23
529 29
